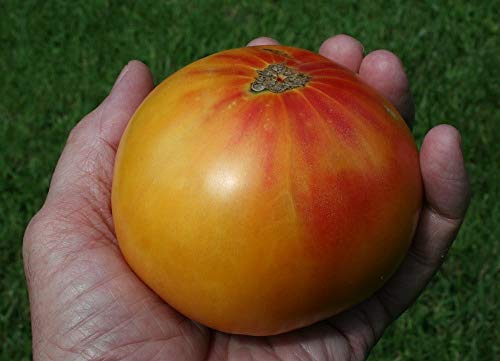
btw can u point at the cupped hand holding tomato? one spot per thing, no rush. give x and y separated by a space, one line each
85 301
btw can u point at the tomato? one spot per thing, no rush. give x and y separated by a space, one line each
262 189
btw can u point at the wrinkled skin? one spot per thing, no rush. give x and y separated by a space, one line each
86 303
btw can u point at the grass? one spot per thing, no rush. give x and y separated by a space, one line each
59 59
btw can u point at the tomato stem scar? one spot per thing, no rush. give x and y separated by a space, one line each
278 78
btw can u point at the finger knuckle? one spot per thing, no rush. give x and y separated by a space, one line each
79 132
36 228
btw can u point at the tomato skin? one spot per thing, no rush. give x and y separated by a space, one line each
261 212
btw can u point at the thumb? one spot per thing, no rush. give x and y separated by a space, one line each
131 87
86 163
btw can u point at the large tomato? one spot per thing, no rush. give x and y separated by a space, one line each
265 188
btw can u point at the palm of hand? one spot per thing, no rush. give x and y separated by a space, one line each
86 303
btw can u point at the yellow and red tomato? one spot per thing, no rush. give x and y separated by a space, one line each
263 189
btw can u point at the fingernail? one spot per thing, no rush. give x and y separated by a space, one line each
122 74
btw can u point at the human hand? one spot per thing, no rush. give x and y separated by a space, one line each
86 303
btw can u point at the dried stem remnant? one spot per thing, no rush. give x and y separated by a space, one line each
278 78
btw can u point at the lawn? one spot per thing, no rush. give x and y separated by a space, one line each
59 59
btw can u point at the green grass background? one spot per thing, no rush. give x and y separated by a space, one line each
59 59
